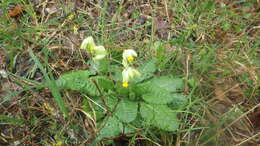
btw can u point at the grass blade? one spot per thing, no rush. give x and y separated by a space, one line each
51 85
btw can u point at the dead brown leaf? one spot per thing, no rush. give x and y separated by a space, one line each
16 11
2 59
220 94
255 119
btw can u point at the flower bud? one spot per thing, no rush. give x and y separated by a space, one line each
100 52
88 44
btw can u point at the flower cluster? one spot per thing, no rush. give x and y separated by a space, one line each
100 52
129 72
89 45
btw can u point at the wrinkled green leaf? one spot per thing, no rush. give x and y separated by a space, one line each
147 70
155 93
179 101
113 127
152 93
103 83
126 110
128 129
78 81
168 83
158 97
159 116
111 102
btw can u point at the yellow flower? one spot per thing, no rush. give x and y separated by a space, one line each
71 16
89 44
128 74
125 84
130 59
128 56
48 107
75 29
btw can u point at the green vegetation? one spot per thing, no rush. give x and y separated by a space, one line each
194 80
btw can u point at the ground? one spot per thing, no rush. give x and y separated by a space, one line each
212 45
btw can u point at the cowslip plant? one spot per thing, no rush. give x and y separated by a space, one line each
126 98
